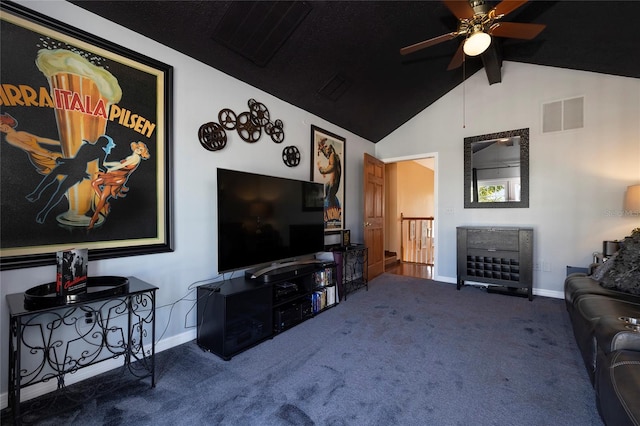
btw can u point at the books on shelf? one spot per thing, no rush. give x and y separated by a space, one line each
324 277
323 298
71 271
331 296
326 293
316 301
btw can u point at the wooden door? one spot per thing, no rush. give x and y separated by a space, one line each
374 214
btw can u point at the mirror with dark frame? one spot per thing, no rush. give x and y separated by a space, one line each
496 170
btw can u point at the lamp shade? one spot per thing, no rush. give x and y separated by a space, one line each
632 200
477 43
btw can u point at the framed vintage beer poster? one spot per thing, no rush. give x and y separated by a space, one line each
328 152
84 144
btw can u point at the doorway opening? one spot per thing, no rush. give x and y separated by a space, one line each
410 210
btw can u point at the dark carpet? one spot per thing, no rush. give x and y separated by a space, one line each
408 351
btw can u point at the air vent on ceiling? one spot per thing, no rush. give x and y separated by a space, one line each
566 114
335 87
257 29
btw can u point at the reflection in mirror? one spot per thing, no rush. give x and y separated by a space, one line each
496 169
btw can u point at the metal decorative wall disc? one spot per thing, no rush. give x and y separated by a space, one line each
227 118
259 114
291 156
212 136
277 133
249 125
248 131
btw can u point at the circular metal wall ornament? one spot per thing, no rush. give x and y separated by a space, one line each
291 156
259 113
212 136
227 118
249 125
277 133
246 129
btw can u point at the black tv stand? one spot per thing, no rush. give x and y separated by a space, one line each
282 271
237 314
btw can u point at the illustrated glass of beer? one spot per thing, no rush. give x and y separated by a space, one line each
82 94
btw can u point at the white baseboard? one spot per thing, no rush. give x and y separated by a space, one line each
536 291
549 293
443 279
99 368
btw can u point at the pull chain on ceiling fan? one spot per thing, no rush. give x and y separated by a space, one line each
478 22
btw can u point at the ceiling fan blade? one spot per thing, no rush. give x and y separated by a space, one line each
516 30
457 59
492 61
461 8
507 6
427 43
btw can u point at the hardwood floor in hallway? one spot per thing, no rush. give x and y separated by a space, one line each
418 270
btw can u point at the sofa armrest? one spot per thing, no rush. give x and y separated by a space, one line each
578 284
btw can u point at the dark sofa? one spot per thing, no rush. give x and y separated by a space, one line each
606 325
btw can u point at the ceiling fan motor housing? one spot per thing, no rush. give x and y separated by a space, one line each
480 21
479 6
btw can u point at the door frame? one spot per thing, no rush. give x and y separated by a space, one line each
433 155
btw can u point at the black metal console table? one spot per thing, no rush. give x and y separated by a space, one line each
47 341
352 261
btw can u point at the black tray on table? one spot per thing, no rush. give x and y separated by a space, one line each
45 296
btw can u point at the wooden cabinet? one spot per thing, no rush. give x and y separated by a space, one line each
499 256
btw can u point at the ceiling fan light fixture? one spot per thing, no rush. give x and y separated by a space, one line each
476 43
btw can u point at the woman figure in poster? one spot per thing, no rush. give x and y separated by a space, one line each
70 171
111 184
332 171
42 159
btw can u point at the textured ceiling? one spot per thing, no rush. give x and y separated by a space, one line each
340 59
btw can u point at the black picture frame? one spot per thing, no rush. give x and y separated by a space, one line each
472 144
330 170
128 190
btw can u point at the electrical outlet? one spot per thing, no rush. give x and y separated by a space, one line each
536 266
546 266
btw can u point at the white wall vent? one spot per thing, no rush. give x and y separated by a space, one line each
561 115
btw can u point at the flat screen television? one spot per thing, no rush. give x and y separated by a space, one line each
265 219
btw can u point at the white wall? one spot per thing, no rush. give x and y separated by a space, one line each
578 177
199 93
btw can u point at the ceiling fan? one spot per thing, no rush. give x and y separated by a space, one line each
478 22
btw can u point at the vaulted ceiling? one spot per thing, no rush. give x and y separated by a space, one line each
340 60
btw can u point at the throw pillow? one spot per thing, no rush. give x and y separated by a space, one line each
603 268
624 272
